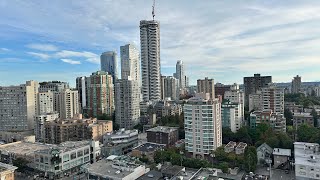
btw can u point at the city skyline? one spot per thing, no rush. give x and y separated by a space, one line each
43 41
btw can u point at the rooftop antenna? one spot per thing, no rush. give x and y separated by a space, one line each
154 3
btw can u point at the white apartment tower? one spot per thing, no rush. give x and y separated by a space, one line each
81 85
127 89
236 100
109 63
18 106
180 74
45 102
150 60
66 103
130 65
202 122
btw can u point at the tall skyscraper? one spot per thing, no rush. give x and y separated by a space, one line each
81 86
253 84
150 60
206 86
109 63
296 84
18 106
130 65
169 87
100 94
127 89
203 129
180 74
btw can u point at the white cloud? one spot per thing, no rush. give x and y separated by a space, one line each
43 47
89 56
40 55
212 37
4 49
70 61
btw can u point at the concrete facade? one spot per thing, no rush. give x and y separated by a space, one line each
150 60
18 106
203 128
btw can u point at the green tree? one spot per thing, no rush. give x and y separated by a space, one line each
227 135
243 135
224 166
250 159
288 115
315 117
305 132
139 127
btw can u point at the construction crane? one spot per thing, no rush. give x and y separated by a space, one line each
153 14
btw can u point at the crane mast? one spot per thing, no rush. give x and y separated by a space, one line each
153 14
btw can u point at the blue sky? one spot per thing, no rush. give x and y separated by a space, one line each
225 40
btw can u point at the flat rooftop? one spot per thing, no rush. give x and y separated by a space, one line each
23 148
149 147
282 152
4 167
105 168
305 156
163 129
28 148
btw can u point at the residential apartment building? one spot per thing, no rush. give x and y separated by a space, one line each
39 129
167 108
100 94
236 97
220 89
296 84
307 160
127 103
18 106
81 86
255 101
206 86
66 103
253 84
130 63
163 135
180 74
61 130
231 115
203 128
109 63
119 142
170 88
56 86
66 158
150 60
302 118
273 98
276 121
45 102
